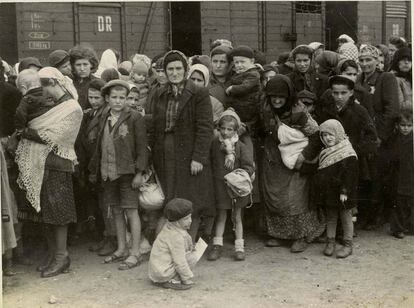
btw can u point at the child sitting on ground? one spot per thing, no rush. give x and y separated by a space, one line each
228 154
245 85
172 257
120 159
401 177
336 184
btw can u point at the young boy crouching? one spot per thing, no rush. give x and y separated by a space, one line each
119 160
172 256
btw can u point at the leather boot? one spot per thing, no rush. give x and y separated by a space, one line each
60 264
345 250
330 247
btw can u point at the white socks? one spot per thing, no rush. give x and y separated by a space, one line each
218 241
239 245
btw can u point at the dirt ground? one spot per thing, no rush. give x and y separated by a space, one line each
380 273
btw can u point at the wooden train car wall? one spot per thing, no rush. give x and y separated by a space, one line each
128 27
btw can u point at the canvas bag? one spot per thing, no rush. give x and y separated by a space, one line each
151 196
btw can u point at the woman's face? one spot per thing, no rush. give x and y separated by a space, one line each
82 68
277 101
198 79
368 64
302 62
351 73
404 65
219 65
175 72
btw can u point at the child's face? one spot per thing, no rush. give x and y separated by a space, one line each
138 78
267 76
404 65
82 68
242 64
66 69
185 222
277 102
405 127
95 98
198 79
302 62
227 129
117 99
161 77
341 94
132 99
328 139
380 64
351 73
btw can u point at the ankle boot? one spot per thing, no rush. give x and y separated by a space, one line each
239 254
60 264
330 247
215 253
345 250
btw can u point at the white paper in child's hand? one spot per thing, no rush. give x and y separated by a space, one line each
199 248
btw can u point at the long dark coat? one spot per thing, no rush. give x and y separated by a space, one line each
193 134
319 83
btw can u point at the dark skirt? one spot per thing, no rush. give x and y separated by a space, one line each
56 200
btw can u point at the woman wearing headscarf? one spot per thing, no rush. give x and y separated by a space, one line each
384 58
46 157
349 51
304 76
402 68
108 61
326 63
220 72
84 63
289 215
182 132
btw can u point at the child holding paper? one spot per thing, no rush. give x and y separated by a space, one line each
173 256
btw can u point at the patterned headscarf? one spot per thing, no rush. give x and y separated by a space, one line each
369 51
349 51
341 150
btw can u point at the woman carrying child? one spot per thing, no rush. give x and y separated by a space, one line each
285 191
336 184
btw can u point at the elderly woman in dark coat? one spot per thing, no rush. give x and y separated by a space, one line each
289 215
182 132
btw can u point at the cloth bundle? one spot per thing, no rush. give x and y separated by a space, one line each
292 143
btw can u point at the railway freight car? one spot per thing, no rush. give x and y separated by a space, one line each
35 29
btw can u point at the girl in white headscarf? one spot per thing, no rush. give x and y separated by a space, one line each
46 157
108 60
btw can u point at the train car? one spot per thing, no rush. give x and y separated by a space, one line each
36 29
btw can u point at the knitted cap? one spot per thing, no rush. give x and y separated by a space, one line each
341 79
306 94
178 208
96 84
58 57
139 68
242 51
369 51
29 61
232 113
113 83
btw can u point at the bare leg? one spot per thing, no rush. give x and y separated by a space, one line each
135 225
120 226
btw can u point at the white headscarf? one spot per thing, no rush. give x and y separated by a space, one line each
108 60
64 81
203 70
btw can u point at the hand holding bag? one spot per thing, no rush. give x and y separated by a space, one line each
151 196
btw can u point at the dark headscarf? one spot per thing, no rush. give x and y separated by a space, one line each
175 55
282 86
400 54
328 61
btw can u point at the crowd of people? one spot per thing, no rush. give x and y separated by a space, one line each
145 156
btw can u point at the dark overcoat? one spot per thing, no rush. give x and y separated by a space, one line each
319 83
193 134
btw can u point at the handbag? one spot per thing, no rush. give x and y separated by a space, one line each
151 196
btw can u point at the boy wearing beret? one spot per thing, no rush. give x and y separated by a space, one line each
172 256
245 85
118 162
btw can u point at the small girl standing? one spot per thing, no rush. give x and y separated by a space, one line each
336 183
228 154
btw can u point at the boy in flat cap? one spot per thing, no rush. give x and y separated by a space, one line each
172 256
118 162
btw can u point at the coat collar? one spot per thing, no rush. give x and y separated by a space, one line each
189 90
122 118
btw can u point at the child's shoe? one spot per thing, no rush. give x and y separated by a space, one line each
330 247
215 253
239 250
345 250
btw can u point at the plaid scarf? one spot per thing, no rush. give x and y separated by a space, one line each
174 94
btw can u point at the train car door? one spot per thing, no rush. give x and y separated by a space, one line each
186 27
100 26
